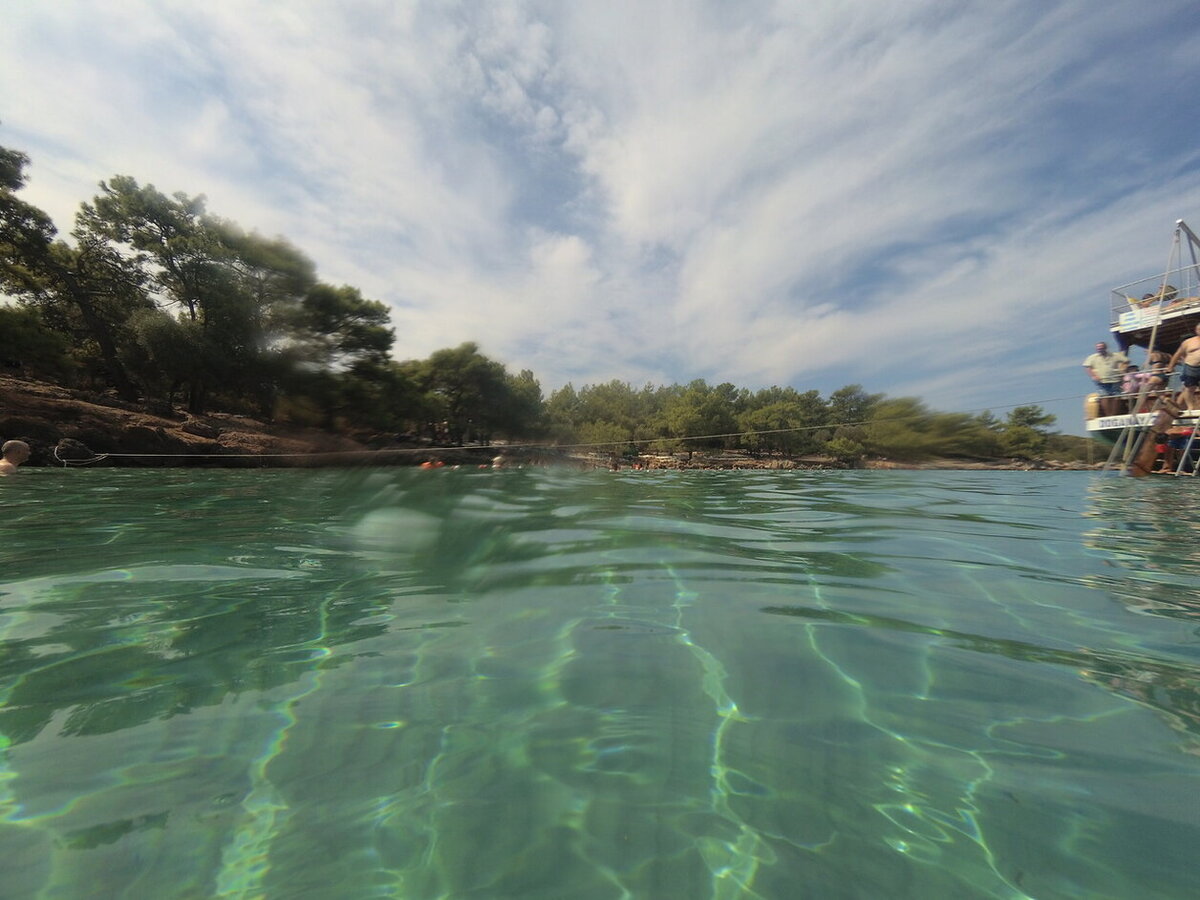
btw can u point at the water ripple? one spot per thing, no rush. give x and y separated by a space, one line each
648 685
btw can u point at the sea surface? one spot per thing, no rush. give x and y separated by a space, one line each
549 684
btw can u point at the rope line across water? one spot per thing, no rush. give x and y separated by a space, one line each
536 446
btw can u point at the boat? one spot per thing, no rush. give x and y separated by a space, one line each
1156 313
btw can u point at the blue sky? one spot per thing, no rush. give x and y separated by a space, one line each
926 198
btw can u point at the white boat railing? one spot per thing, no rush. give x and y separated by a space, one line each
1178 287
1140 304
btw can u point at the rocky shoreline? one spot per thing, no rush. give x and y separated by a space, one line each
83 426
70 427
744 461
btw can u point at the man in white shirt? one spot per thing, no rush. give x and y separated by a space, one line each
1107 370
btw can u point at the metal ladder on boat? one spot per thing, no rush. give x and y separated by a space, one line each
1185 457
1130 445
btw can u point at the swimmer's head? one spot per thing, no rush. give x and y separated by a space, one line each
15 451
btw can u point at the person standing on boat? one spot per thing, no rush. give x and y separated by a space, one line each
1189 353
1107 370
1160 368
14 453
1138 384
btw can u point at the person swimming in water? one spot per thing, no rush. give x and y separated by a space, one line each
14 453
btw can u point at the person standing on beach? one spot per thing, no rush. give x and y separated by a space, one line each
1107 369
14 453
1189 352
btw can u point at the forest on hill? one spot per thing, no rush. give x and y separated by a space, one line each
162 303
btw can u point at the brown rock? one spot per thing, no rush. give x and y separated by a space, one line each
200 429
46 414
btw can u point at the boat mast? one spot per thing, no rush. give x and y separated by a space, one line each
1193 243
1172 255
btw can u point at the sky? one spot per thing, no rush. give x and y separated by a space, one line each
926 198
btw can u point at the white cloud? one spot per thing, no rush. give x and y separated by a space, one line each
813 194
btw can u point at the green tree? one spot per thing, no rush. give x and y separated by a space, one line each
851 405
1024 434
704 412
241 290
988 420
471 392
627 414
343 326
378 395
844 448
561 411
614 402
603 437
85 292
961 435
784 420
26 341
1069 447
1030 417
525 408
900 428
1022 441
161 351
165 236
338 345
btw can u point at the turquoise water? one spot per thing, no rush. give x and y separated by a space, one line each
540 684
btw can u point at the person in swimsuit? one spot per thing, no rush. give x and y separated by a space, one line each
1160 371
1189 354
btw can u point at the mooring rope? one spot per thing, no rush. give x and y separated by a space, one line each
77 462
